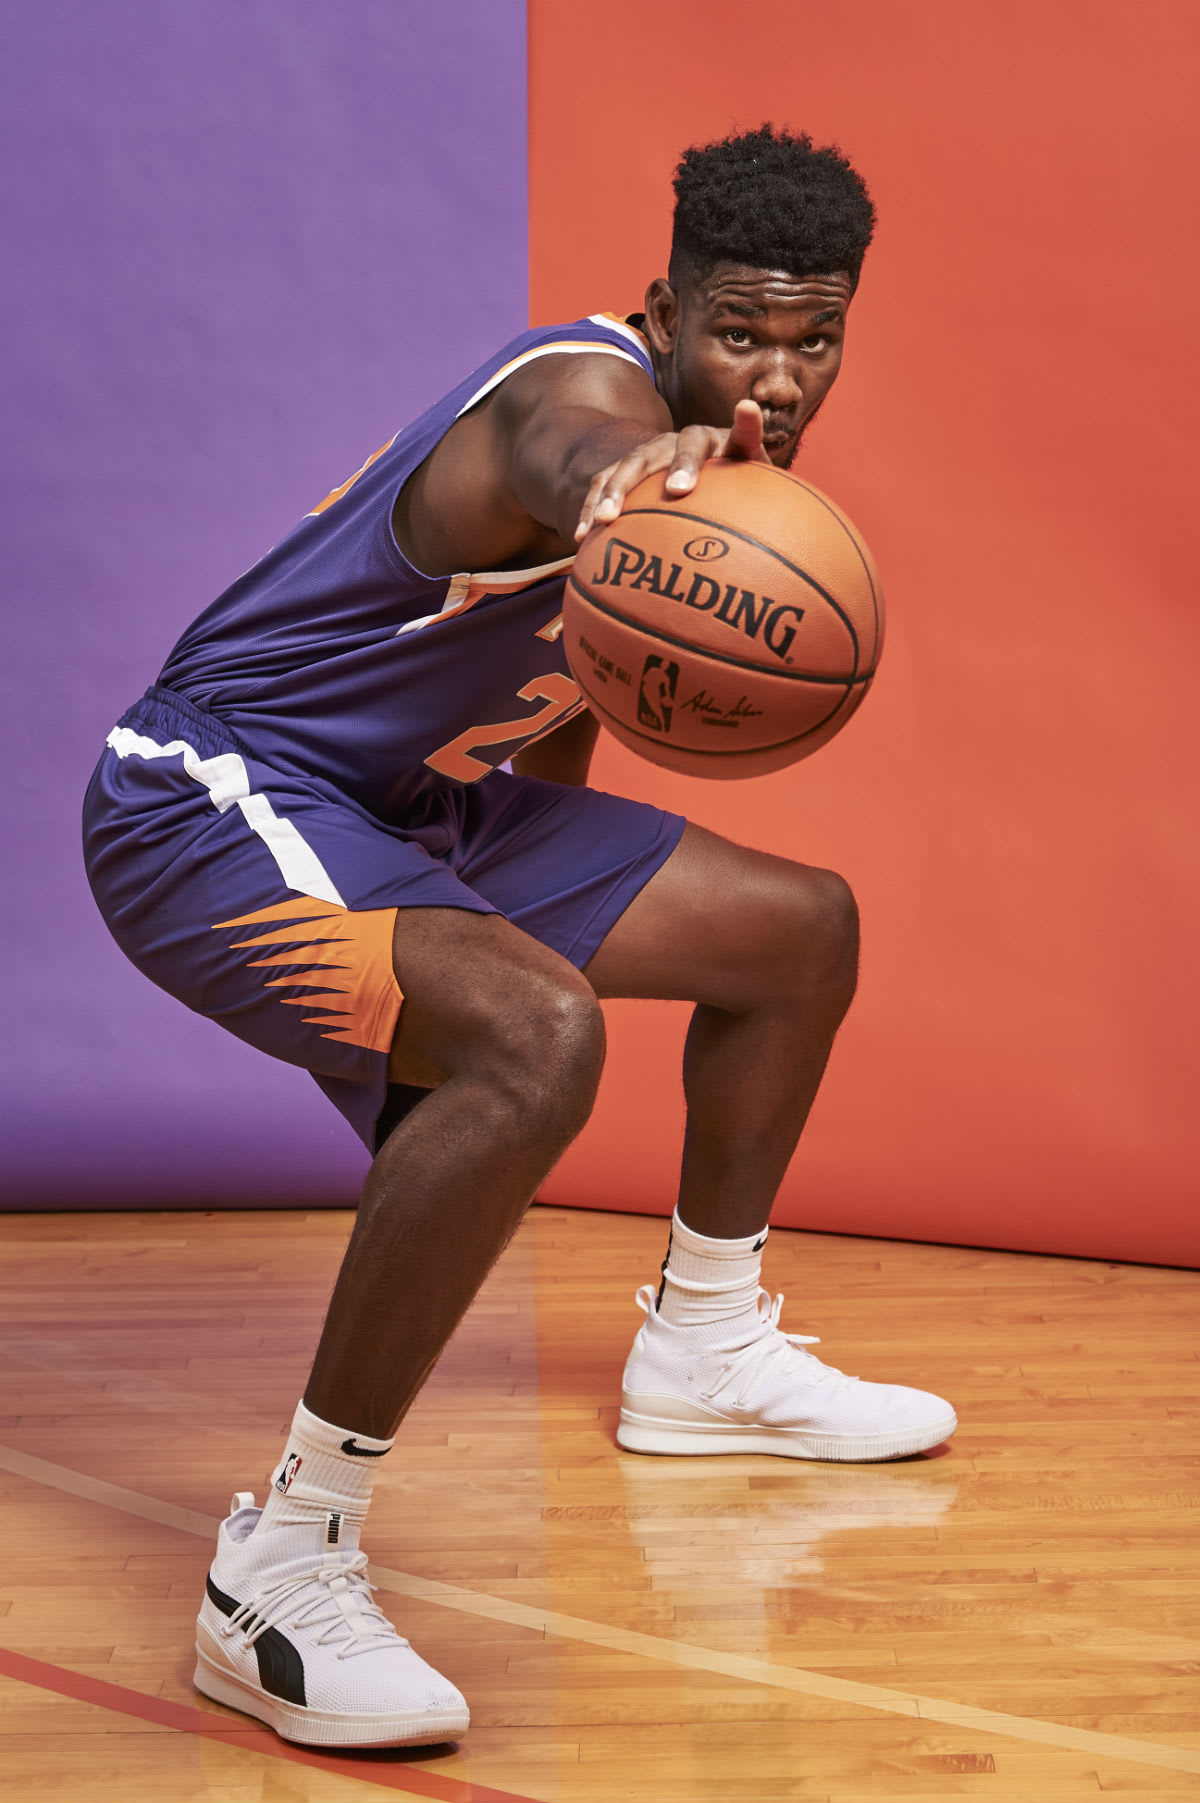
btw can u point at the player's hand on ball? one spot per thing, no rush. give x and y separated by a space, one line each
681 454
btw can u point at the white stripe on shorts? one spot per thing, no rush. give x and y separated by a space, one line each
228 781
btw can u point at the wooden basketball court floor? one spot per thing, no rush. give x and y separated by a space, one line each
1014 1617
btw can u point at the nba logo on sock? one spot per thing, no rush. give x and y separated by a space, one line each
287 1472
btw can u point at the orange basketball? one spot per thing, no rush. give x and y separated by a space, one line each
727 632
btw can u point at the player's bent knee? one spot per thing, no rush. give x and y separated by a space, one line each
836 907
529 1040
544 1059
824 934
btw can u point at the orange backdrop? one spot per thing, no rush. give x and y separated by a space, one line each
1013 432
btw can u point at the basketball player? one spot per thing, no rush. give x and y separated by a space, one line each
304 830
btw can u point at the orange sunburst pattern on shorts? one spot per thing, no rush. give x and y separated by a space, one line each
344 952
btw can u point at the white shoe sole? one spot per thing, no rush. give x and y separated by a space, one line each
326 1727
640 1432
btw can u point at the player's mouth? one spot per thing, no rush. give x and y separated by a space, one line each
779 429
779 445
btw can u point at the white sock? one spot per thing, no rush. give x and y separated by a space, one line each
708 1281
325 1472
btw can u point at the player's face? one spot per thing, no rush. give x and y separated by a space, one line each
749 334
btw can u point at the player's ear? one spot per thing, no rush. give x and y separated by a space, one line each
662 315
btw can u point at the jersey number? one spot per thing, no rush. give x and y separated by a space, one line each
455 759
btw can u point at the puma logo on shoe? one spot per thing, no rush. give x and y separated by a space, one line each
303 1683
362 1452
280 1667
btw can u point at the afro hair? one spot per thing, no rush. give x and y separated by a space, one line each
772 201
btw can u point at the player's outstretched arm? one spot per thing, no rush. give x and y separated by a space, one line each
563 419
582 431
520 478
504 487
681 454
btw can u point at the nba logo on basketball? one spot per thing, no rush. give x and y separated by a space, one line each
657 693
291 1466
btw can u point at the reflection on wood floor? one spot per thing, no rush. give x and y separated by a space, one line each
1016 1616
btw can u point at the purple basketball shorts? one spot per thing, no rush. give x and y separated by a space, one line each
267 902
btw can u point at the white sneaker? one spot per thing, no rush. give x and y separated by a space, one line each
288 1632
687 1390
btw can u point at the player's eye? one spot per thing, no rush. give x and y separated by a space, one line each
737 335
815 343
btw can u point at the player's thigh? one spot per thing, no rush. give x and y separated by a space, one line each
300 924
273 918
724 924
558 865
309 932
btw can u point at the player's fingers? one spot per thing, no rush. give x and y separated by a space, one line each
695 445
746 433
591 503
681 455
609 489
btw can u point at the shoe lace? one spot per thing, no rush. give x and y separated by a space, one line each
342 1609
746 1365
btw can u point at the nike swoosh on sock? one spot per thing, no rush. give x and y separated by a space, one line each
363 1452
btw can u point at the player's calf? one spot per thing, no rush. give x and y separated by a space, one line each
521 1061
514 1044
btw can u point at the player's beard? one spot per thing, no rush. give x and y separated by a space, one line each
804 428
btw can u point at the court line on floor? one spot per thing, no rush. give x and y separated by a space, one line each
648 1646
182 1718
151 1395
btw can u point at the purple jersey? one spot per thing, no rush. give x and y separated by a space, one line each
334 659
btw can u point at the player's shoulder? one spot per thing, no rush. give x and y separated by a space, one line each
597 331
614 332
599 334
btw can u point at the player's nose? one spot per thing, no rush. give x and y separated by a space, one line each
776 387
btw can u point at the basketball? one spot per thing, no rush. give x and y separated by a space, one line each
728 632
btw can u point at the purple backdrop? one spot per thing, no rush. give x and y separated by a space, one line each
243 242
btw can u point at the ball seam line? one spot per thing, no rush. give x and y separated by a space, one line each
721 657
748 539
